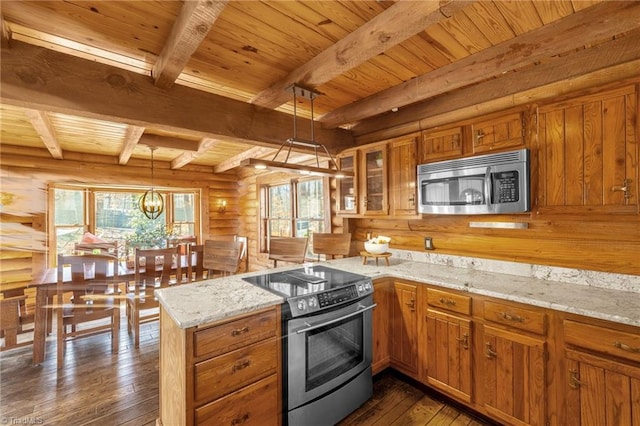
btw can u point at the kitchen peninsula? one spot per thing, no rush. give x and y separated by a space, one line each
543 321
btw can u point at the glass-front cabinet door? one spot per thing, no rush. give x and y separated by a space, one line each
347 187
375 200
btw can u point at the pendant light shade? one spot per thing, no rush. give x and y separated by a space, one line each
151 203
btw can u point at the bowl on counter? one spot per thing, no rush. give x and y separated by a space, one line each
376 248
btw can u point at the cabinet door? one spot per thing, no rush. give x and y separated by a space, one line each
402 188
601 392
381 297
440 144
588 154
404 328
449 344
496 133
347 187
374 160
514 371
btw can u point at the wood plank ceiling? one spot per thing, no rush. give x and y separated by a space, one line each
208 82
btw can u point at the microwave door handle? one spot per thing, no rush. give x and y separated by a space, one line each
487 186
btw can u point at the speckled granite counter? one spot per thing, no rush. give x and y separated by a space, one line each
213 300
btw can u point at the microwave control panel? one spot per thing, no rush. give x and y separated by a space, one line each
505 187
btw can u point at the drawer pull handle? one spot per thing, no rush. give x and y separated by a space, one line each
411 304
241 365
574 382
510 317
240 331
627 348
490 353
240 420
464 340
447 301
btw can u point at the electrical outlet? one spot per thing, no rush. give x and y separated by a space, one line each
428 243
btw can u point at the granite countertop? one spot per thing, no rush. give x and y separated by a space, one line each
212 300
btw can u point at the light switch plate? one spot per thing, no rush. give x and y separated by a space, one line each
428 243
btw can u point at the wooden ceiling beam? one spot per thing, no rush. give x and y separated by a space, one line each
393 26
233 162
159 141
186 157
6 33
616 60
38 78
604 20
131 139
191 27
42 125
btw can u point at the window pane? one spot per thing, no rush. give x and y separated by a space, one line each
279 228
280 202
67 237
310 199
183 207
69 207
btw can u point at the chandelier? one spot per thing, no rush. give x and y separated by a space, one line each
332 170
151 202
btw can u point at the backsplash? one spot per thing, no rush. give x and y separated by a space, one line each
612 281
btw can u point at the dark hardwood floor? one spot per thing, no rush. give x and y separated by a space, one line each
97 388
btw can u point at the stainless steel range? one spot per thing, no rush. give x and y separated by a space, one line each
327 347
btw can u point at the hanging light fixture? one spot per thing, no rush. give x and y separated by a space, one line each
332 171
151 202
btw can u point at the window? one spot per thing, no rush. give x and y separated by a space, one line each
114 215
292 209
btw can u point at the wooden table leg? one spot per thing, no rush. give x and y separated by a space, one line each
40 325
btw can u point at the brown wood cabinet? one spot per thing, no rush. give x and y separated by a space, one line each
382 298
505 131
404 328
449 344
402 176
347 188
440 144
588 154
227 372
601 384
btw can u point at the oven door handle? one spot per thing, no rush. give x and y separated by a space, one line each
325 323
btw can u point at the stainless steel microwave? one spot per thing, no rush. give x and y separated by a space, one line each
484 184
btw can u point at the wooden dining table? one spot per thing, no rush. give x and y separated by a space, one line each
46 288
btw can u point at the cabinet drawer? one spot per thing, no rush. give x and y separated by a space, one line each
523 319
256 404
226 373
449 301
602 339
232 335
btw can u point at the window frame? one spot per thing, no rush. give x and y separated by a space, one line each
266 182
89 207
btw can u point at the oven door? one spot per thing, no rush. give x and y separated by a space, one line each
327 350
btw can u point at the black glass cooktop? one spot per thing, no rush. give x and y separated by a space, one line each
307 280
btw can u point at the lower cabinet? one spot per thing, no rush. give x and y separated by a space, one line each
404 328
224 373
382 298
601 384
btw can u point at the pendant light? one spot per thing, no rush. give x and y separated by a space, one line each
151 202
332 171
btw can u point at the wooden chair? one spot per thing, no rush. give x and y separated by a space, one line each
331 244
26 313
288 249
154 268
195 266
244 253
10 320
221 255
85 298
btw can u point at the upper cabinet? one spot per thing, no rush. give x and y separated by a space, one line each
347 187
502 132
402 179
374 180
588 154
436 145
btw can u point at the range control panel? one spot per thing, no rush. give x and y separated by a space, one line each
311 303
